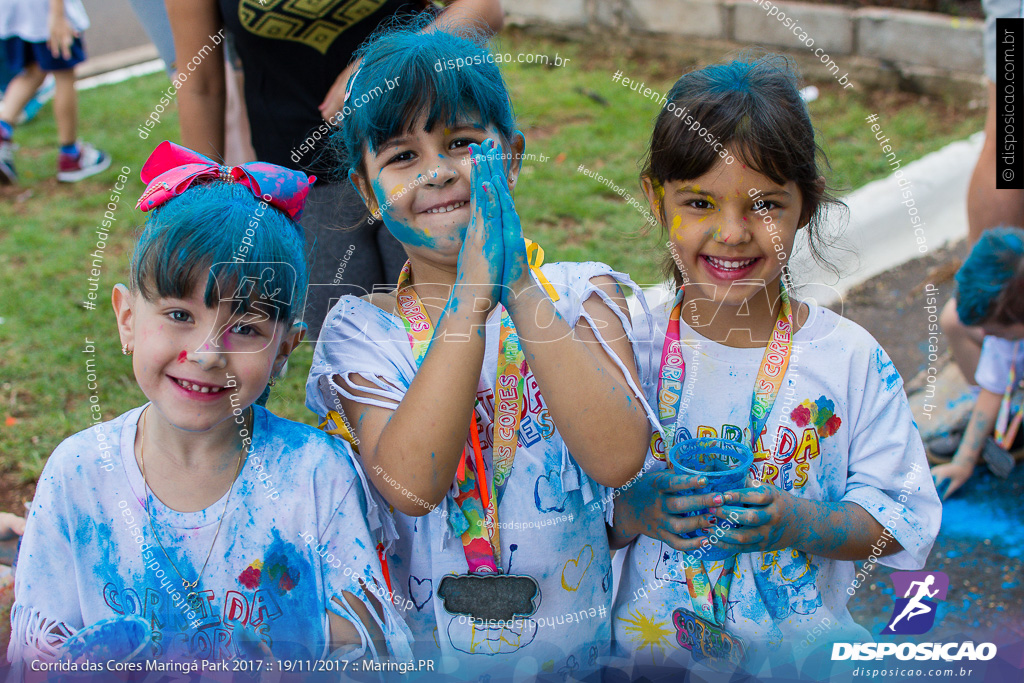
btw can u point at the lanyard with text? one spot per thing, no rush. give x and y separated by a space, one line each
477 498
705 598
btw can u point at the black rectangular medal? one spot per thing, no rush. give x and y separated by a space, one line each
490 597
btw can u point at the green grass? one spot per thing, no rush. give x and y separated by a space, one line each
49 229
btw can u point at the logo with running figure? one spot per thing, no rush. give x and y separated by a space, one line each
914 613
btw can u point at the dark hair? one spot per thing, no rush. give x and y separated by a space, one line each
216 236
990 283
412 69
755 111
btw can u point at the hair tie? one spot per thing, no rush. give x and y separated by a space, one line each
348 87
171 169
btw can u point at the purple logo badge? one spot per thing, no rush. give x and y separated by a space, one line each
914 613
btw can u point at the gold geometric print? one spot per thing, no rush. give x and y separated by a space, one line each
316 23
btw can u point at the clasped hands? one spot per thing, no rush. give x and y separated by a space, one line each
493 264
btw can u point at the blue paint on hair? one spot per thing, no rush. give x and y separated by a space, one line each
988 273
420 63
215 236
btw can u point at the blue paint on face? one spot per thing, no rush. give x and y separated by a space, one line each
405 234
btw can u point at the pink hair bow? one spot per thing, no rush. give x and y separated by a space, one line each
171 169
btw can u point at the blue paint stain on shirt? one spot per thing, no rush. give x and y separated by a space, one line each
886 370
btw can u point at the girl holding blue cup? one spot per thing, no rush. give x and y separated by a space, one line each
792 451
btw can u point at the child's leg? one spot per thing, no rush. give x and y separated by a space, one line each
65 106
964 342
76 161
20 90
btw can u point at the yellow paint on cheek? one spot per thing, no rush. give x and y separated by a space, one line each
677 223
396 189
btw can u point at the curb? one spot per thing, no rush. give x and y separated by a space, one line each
95 66
914 50
880 230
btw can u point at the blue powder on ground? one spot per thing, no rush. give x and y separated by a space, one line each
960 517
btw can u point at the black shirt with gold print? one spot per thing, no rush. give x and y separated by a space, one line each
292 51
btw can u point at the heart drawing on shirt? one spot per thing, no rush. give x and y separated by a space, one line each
548 495
573 571
420 591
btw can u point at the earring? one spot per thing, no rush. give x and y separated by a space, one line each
124 350
273 381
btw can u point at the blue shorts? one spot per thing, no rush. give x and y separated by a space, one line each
21 54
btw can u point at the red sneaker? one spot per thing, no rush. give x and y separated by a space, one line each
88 162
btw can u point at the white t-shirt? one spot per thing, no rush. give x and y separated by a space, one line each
998 355
294 536
844 429
28 19
551 516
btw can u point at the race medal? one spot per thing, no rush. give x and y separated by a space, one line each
705 641
490 597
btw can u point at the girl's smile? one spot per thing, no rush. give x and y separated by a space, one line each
197 391
727 268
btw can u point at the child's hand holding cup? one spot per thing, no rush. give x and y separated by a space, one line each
725 464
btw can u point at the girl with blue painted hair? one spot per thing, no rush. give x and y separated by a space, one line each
200 525
801 402
990 296
494 401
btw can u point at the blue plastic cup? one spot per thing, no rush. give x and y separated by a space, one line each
725 465
121 639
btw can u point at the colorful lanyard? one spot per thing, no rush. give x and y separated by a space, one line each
1005 431
708 599
476 497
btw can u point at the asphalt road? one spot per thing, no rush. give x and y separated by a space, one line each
114 27
981 541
